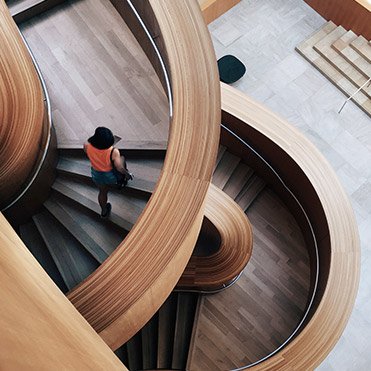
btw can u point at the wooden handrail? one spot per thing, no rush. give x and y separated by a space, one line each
208 273
130 286
316 186
40 328
22 111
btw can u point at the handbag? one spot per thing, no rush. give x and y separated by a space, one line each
122 179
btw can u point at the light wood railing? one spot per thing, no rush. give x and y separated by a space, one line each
22 111
130 286
315 185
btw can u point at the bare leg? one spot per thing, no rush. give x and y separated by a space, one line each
102 197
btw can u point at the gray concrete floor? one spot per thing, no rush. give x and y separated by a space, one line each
263 34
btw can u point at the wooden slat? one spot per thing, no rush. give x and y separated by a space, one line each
212 9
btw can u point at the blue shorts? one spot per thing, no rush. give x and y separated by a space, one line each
103 177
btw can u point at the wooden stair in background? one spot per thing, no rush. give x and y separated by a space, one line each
344 58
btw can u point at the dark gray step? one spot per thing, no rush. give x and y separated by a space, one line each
166 331
186 310
224 169
149 343
134 351
35 243
238 180
146 171
221 152
126 207
250 191
73 261
22 10
97 236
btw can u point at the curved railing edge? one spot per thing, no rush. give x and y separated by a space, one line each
311 345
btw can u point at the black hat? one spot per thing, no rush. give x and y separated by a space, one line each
102 138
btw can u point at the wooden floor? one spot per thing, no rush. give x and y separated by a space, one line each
97 75
253 317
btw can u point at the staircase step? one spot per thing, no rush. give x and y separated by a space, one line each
342 46
149 343
166 331
221 152
186 309
125 208
363 47
251 190
224 169
134 351
307 51
35 243
238 179
146 171
323 47
73 261
21 10
97 236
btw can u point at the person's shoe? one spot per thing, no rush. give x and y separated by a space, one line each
107 212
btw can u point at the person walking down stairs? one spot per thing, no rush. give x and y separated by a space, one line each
107 165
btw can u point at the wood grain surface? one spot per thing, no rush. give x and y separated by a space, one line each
122 295
213 271
212 9
339 282
40 328
21 110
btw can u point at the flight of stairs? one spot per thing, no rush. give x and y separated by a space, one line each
344 58
70 241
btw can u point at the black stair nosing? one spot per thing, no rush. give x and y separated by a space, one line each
31 237
68 269
186 309
76 230
91 205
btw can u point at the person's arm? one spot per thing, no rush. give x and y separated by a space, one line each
119 161
85 147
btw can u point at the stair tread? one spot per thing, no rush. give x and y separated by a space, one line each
238 179
342 46
224 169
186 309
146 171
324 48
36 245
317 36
251 190
19 6
97 236
348 88
221 151
125 208
73 262
363 47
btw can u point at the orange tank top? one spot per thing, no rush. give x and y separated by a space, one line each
100 158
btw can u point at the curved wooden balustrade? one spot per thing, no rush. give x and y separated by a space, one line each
21 110
40 328
212 272
122 295
316 186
